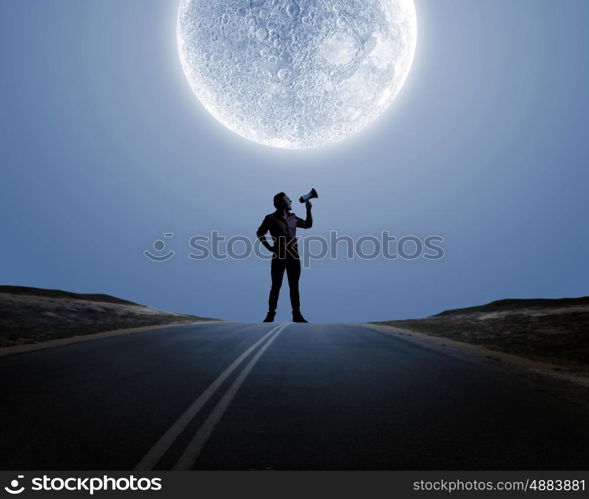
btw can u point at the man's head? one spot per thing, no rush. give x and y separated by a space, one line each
282 202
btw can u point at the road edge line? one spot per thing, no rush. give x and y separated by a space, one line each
478 354
44 345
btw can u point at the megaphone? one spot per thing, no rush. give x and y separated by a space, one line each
310 195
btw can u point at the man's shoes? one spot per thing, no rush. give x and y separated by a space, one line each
298 317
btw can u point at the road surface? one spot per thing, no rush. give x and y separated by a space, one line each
276 396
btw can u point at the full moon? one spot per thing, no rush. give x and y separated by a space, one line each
296 73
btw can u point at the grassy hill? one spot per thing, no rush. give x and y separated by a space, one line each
31 315
543 329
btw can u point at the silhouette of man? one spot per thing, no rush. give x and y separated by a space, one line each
282 225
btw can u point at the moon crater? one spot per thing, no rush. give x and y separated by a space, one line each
296 74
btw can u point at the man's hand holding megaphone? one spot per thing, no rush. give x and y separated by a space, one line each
312 194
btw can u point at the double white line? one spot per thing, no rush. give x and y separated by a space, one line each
194 448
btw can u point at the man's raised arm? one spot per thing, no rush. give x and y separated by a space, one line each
308 223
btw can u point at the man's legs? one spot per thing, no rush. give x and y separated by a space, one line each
277 272
293 272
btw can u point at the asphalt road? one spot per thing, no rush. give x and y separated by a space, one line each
275 396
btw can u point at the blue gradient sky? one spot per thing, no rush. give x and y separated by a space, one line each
104 148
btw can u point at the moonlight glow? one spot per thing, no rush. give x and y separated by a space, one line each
296 74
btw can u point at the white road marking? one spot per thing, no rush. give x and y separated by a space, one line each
32 347
167 439
194 448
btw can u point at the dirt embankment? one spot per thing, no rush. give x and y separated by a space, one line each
542 329
32 315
